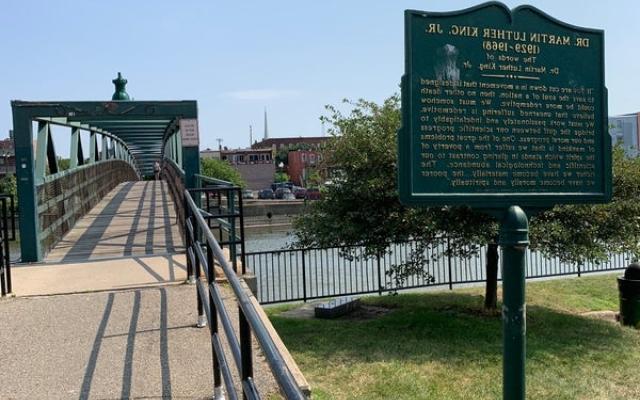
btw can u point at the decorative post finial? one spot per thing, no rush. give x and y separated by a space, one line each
120 93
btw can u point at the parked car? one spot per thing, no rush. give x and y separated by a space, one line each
312 194
283 193
266 194
276 185
247 194
299 192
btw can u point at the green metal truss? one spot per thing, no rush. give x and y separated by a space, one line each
138 132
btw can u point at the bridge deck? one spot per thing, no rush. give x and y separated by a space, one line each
134 219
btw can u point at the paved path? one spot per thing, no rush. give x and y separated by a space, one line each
91 276
130 239
134 219
111 345
133 335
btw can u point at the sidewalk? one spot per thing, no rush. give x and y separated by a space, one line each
109 345
91 276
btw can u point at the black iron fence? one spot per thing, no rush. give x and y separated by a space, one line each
312 273
221 206
7 224
203 255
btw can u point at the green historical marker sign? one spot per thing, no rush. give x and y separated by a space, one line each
502 107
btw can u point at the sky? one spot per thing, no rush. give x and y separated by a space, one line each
238 58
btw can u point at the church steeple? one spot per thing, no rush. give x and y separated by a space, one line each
266 128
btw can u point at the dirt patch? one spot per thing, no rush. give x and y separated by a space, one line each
363 312
610 316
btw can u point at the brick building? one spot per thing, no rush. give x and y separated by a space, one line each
208 153
287 142
302 163
256 166
7 157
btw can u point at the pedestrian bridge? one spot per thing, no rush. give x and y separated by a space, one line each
150 256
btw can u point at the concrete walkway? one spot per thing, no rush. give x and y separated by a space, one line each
134 219
91 276
139 344
106 316
130 239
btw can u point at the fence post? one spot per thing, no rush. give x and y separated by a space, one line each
5 244
187 240
304 278
13 219
213 327
579 269
449 262
246 357
231 209
379 275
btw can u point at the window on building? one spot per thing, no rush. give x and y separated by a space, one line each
304 157
312 158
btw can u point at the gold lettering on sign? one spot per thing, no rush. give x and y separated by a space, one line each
507 135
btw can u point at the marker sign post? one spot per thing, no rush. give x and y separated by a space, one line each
503 109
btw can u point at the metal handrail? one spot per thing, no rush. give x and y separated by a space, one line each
5 259
249 317
53 121
215 181
175 165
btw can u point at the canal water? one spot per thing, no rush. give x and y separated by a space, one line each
268 241
292 275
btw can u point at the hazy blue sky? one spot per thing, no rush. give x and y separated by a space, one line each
237 57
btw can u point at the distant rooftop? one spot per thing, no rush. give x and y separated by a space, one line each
287 141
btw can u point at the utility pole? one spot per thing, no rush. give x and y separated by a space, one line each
219 140
250 136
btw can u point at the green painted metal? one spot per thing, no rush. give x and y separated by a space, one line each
75 155
52 160
25 172
133 131
104 150
502 107
92 147
41 151
120 93
514 239
180 153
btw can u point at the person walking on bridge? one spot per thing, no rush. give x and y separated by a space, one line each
156 171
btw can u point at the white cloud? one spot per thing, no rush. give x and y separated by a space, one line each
261 94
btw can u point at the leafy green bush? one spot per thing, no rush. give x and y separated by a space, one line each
219 169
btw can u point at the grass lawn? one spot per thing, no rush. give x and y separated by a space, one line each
440 345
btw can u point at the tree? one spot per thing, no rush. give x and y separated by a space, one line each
219 169
8 185
281 177
314 178
64 164
590 232
361 206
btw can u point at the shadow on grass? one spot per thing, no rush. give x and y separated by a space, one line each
447 327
